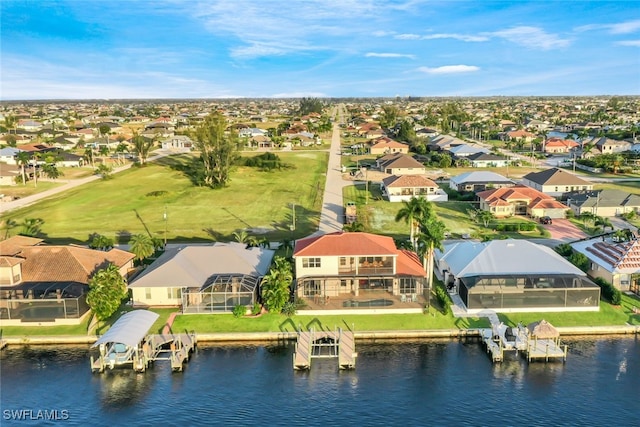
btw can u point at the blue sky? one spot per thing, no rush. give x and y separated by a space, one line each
81 49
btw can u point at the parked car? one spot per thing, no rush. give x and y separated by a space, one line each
546 220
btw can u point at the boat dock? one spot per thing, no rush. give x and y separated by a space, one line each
501 338
311 344
127 344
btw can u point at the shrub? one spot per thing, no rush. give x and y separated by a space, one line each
609 292
289 309
564 249
579 260
443 299
256 309
239 310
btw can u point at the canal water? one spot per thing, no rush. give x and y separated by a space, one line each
427 382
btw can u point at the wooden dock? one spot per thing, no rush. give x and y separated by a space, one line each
325 344
545 349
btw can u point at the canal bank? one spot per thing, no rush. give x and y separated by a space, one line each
358 335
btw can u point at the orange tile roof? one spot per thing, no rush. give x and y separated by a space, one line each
534 197
345 244
408 264
403 181
15 244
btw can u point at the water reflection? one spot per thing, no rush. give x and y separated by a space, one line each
123 387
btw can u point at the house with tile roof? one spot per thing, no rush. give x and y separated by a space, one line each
556 182
385 145
556 145
358 270
400 188
48 283
515 276
400 164
479 181
616 262
606 202
203 278
520 200
444 142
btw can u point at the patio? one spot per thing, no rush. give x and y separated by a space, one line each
367 300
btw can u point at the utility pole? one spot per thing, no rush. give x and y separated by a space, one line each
165 217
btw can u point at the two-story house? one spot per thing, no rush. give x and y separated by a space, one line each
357 269
556 182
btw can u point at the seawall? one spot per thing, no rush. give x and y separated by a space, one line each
359 335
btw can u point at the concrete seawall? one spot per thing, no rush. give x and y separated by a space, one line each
360 335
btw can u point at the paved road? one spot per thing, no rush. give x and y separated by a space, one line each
29 200
332 214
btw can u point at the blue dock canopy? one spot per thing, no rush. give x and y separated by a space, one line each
130 329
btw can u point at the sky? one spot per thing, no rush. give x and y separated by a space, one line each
86 49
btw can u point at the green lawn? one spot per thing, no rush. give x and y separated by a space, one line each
254 200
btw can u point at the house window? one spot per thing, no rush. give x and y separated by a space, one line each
174 293
311 262
147 293
407 286
343 283
594 266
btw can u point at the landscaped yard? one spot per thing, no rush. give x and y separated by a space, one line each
134 202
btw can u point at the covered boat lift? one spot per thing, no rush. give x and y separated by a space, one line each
127 343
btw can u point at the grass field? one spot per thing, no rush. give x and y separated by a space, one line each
260 202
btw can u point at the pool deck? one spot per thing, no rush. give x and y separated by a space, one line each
335 305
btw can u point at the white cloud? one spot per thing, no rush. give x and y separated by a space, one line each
449 69
407 37
619 28
461 37
635 43
532 37
389 55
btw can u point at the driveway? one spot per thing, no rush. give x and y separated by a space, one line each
564 231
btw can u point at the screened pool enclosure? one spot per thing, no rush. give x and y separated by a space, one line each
221 293
43 301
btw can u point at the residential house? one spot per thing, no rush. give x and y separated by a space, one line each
8 155
522 135
444 142
177 143
479 181
465 150
401 188
251 132
608 146
352 266
556 182
48 283
400 164
9 173
203 278
515 276
487 160
616 262
559 145
607 202
520 200
69 160
385 145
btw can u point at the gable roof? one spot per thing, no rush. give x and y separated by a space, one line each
345 244
191 265
555 176
414 181
486 157
466 148
605 198
504 257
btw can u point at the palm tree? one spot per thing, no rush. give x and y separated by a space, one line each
23 160
142 146
7 225
142 246
603 222
484 217
430 237
411 211
31 227
287 245
275 285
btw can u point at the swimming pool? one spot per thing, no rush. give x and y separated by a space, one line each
367 303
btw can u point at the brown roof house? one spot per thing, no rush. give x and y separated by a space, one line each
385 145
617 263
556 182
358 272
520 200
400 188
48 283
607 202
400 164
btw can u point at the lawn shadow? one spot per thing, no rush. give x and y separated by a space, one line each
237 217
315 321
123 237
283 326
215 235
